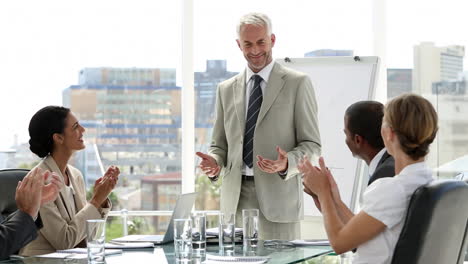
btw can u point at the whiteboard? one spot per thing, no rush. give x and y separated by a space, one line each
338 82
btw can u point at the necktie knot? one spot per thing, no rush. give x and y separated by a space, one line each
257 79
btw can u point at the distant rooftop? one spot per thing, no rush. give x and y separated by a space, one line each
170 176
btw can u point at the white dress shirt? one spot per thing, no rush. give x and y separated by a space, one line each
387 200
249 83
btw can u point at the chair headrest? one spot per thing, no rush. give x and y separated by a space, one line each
9 179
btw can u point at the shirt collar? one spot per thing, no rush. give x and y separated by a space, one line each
413 168
375 161
264 73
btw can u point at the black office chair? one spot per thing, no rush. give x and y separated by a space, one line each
8 181
435 229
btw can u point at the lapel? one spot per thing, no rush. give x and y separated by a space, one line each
52 166
274 86
238 89
385 156
78 194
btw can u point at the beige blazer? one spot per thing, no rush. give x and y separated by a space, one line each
63 228
287 118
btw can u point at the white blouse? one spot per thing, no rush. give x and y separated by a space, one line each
387 200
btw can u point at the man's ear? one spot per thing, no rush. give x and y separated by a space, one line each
239 44
57 138
358 139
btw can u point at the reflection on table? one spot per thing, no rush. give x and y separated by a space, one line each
277 255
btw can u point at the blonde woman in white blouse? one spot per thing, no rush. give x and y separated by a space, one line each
409 127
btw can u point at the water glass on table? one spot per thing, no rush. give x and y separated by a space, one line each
95 239
183 238
250 228
227 235
198 232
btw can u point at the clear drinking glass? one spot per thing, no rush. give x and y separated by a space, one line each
96 238
199 231
183 238
250 228
227 235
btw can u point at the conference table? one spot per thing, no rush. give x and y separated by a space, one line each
161 254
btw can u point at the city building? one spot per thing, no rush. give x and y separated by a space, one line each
160 192
329 53
399 81
449 87
452 137
132 117
435 64
205 95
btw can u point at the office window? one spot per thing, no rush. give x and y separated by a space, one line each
99 59
302 28
426 50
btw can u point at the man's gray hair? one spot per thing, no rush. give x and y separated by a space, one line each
257 19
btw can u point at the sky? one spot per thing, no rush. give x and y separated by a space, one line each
46 43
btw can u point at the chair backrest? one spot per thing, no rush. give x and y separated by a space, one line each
8 181
435 228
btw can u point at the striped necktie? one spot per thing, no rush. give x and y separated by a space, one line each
255 102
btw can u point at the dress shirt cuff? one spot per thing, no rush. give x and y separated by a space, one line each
283 174
38 221
215 178
104 209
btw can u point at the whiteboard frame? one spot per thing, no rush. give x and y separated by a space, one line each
359 182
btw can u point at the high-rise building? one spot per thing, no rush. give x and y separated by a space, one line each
329 53
205 93
399 81
435 64
133 119
452 110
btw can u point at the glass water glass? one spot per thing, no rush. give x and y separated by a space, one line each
199 231
250 228
227 235
183 238
96 239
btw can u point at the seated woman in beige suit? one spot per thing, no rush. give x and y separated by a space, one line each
55 135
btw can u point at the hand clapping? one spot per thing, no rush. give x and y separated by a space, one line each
31 192
104 186
317 180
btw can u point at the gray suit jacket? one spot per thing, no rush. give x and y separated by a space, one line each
17 230
385 168
287 118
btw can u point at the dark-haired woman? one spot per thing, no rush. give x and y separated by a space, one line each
55 134
409 127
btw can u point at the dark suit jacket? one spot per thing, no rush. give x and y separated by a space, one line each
385 168
16 231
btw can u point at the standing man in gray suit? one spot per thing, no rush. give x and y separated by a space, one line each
266 120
